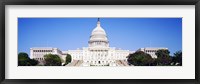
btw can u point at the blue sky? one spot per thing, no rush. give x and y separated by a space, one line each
125 33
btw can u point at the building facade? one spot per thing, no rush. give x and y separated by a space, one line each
151 51
38 53
98 52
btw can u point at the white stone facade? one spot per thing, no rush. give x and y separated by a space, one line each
151 51
98 52
38 53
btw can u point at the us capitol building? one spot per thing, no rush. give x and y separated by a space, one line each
98 52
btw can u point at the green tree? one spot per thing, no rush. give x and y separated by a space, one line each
68 59
177 58
33 62
163 57
52 60
140 59
24 60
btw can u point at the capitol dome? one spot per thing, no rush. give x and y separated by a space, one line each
98 30
98 36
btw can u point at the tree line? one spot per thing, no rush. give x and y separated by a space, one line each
141 58
138 58
49 60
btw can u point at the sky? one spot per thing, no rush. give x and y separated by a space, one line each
125 33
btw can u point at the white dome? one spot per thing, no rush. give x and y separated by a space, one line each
98 34
98 31
98 37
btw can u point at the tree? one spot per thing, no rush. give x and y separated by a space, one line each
140 59
24 60
177 58
33 62
68 59
52 60
163 57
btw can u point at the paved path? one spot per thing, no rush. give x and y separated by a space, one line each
122 63
75 63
